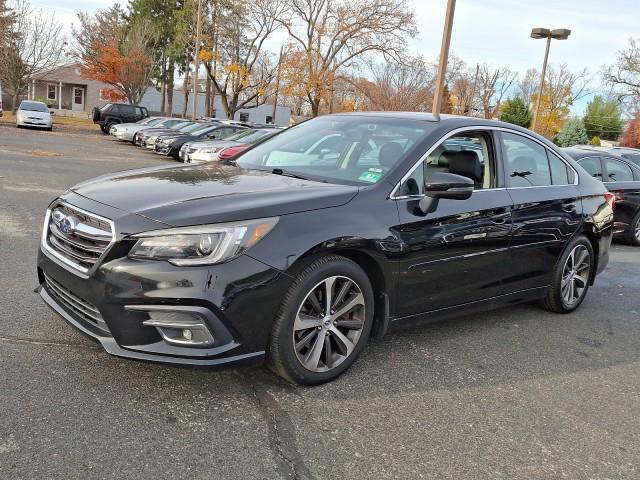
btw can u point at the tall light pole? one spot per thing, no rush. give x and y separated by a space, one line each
537 33
197 63
444 57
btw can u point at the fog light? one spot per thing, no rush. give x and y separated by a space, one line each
183 329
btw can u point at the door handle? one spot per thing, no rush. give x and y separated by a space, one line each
500 215
569 205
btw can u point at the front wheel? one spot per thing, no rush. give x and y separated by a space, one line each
571 277
324 322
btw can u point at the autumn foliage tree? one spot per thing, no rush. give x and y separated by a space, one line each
116 52
631 136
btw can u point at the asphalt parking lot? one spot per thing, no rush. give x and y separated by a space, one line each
516 393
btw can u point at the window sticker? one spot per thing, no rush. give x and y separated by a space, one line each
372 175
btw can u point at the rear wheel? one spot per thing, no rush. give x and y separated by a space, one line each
107 127
633 235
571 277
324 322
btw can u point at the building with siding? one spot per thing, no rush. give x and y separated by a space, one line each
65 89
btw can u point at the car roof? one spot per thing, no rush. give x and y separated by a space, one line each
579 152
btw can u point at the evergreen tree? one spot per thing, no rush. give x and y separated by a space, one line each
572 133
515 111
602 119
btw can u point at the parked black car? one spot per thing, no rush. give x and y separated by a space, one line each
630 154
299 254
622 178
171 143
114 113
147 138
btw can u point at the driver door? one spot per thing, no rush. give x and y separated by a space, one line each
456 253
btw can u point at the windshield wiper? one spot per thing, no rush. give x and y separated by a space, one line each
285 173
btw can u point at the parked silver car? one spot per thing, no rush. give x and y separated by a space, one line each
126 131
34 114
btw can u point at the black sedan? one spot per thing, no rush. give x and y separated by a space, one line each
622 177
171 143
338 229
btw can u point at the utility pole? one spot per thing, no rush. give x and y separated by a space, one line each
275 100
444 57
196 62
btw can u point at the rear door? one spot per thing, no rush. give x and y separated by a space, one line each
547 208
456 253
624 181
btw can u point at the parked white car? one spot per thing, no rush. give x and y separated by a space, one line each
126 131
209 150
34 114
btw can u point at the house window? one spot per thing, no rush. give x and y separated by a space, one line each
52 91
244 117
269 119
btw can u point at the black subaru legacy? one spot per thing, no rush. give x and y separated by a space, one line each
339 229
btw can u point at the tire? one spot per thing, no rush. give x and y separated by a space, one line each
95 114
570 282
326 345
107 127
633 235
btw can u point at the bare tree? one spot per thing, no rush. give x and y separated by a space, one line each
238 39
329 35
399 86
624 76
528 85
492 87
35 44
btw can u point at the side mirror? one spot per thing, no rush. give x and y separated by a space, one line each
445 185
448 185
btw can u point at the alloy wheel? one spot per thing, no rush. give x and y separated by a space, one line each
637 229
575 275
329 323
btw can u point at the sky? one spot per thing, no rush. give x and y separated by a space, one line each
494 31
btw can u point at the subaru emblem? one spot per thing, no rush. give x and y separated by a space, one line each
68 225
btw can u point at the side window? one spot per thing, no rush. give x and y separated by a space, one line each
138 111
617 171
126 109
633 157
561 174
469 154
525 161
592 165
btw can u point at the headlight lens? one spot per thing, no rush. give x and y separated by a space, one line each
211 150
201 245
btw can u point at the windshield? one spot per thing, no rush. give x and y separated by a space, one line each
33 107
255 135
240 135
191 127
205 129
344 149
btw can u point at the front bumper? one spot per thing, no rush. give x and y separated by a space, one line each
238 301
162 149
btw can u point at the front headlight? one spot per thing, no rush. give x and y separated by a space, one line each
203 244
211 150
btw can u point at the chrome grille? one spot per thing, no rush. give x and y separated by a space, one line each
77 237
81 308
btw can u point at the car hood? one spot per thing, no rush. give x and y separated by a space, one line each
211 193
38 115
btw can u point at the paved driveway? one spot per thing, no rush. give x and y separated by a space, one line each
517 393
